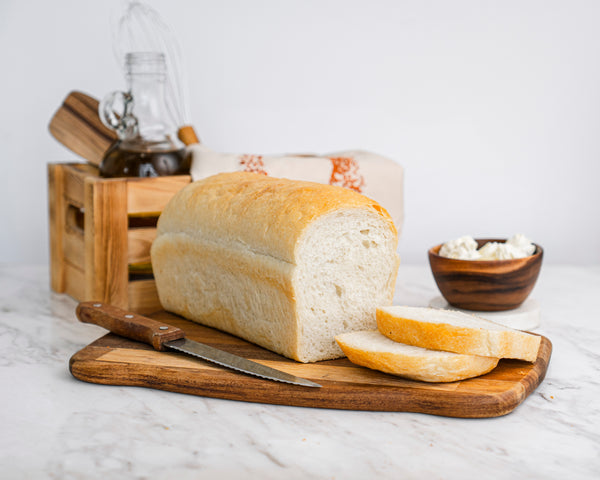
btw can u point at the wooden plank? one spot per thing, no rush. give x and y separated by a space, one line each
85 169
74 245
74 281
73 237
76 124
106 272
139 243
74 184
148 196
143 297
57 220
114 360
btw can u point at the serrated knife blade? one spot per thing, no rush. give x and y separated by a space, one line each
160 335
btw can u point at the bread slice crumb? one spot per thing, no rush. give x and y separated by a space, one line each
373 350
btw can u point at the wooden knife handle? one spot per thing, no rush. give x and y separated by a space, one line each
128 324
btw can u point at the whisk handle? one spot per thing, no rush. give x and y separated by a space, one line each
187 135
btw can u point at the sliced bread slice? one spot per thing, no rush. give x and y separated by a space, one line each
373 350
457 332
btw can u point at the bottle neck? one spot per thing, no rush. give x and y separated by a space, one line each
149 107
146 78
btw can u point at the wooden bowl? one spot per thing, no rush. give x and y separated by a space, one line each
485 285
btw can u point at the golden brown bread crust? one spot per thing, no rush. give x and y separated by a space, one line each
467 340
267 285
226 196
423 367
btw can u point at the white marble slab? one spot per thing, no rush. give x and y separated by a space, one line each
54 426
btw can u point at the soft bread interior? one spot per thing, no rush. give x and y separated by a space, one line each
373 350
346 266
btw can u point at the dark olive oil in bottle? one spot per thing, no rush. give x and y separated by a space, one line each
120 162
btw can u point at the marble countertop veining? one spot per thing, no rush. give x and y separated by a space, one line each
54 426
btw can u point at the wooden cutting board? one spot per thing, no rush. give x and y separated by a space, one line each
113 360
77 125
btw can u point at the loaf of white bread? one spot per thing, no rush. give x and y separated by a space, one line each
436 345
285 264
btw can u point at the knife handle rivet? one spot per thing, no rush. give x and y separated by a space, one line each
163 328
97 305
128 316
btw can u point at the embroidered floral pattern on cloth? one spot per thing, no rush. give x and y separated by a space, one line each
253 163
345 173
375 176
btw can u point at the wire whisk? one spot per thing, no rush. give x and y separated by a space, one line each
141 29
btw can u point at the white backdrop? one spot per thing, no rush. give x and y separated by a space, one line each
493 108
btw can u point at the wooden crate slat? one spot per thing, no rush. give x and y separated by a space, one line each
148 196
75 175
106 272
143 297
74 282
56 219
74 246
139 243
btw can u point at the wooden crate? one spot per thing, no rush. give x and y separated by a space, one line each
101 231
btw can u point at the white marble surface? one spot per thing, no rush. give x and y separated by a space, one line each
54 426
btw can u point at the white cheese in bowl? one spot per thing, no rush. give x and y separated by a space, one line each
465 248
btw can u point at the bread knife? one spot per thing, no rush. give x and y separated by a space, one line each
162 336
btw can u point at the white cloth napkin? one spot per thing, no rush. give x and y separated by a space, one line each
376 177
